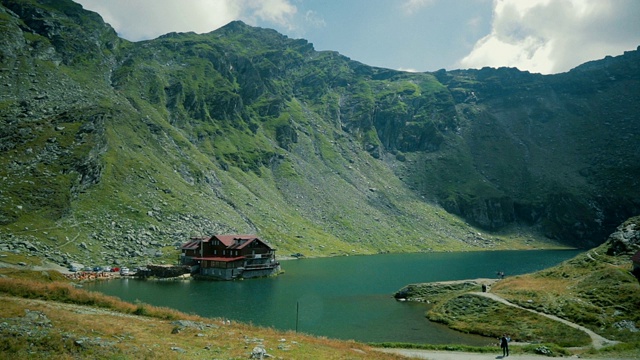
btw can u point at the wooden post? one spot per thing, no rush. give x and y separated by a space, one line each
297 313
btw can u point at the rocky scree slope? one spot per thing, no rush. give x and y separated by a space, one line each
117 151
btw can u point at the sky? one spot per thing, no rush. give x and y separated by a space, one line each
540 36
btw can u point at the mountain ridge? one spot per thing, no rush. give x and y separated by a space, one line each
245 130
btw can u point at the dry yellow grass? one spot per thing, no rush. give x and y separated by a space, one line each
131 336
110 329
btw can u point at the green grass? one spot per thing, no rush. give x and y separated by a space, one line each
594 293
479 315
40 276
629 350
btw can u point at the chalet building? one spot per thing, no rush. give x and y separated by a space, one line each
230 256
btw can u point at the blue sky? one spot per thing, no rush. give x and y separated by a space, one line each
391 34
545 36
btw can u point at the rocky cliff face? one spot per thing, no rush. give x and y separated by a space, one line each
555 151
117 145
626 239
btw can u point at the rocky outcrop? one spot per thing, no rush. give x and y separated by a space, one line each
164 271
434 291
626 239
488 213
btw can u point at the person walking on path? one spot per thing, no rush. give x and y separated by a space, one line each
504 344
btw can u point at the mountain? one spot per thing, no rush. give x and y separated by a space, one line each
114 151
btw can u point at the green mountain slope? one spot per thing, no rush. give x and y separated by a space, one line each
116 151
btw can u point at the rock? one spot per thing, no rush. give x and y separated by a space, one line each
258 352
181 324
625 240
37 318
29 246
626 325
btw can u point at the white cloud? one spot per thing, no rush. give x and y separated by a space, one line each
272 11
411 6
146 19
314 19
550 36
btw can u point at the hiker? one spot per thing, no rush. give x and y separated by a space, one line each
504 344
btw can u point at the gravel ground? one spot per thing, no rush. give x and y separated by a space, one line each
456 355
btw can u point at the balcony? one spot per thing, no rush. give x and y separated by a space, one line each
268 255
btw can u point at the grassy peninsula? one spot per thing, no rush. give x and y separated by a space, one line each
586 305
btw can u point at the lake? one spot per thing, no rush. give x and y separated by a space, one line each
347 297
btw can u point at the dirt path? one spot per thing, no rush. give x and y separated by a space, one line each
597 340
457 355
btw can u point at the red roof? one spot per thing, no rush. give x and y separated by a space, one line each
225 259
191 245
238 241
231 242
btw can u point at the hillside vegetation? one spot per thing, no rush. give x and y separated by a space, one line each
596 290
114 152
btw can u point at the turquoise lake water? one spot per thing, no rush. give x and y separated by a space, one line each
342 297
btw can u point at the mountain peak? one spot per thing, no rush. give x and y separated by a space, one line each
236 25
